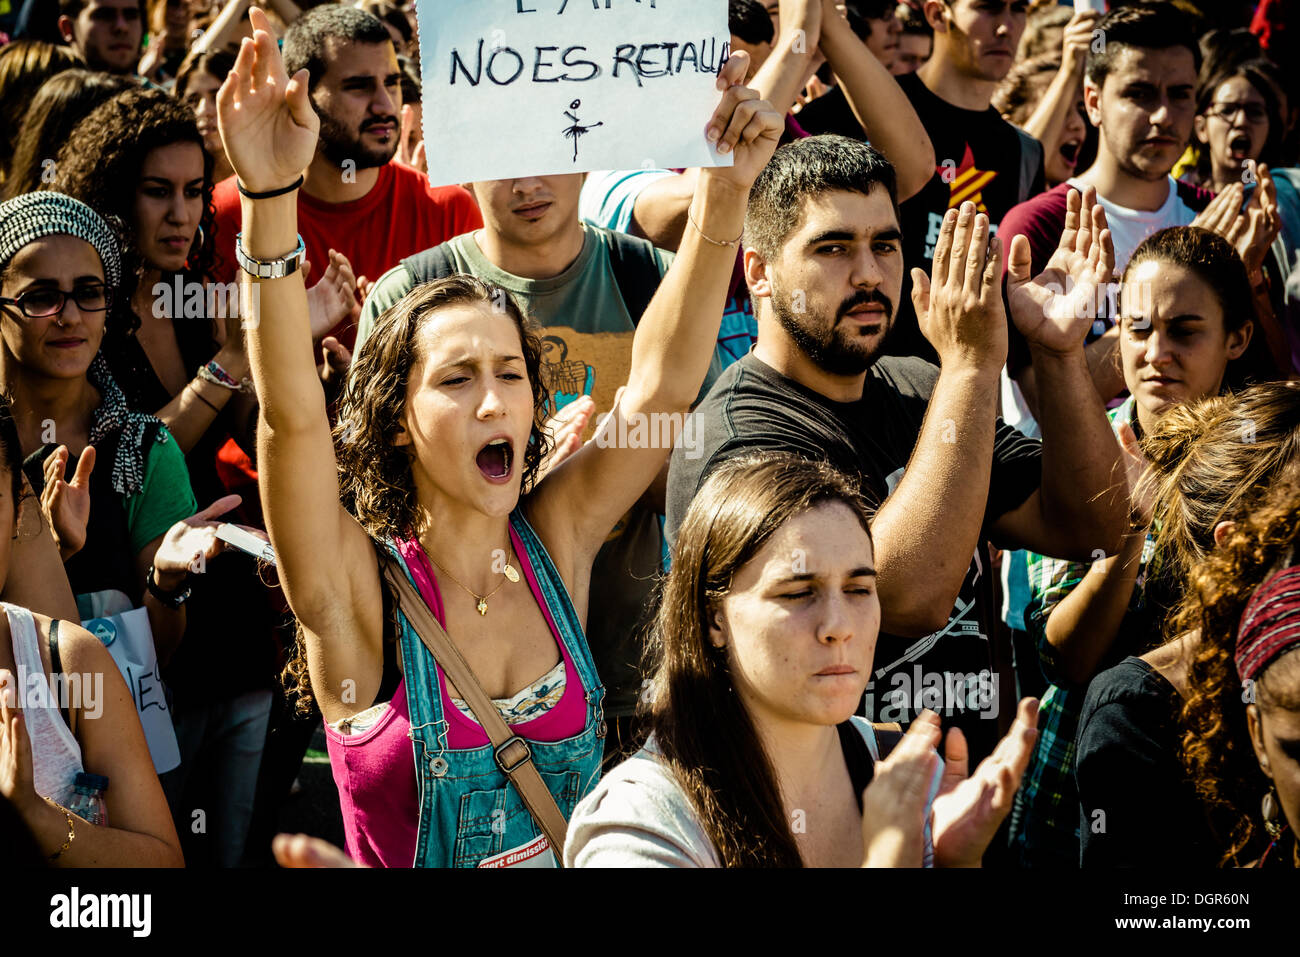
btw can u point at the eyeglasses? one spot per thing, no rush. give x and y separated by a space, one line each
1254 112
43 303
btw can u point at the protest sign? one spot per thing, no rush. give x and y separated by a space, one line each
514 88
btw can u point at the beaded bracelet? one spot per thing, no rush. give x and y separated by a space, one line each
72 832
214 373
709 239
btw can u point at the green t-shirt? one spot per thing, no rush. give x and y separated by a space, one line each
586 330
164 498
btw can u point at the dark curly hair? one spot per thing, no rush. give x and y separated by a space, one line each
376 485
100 165
1217 750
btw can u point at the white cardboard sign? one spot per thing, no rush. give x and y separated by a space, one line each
515 88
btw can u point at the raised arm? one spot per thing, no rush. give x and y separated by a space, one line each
582 499
224 31
269 129
1083 504
926 531
782 77
659 212
879 103
1048 118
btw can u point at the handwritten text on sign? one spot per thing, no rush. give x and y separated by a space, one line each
516 88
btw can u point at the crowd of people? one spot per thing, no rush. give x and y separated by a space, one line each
920 488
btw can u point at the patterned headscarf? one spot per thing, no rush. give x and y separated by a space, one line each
1270 625
32 216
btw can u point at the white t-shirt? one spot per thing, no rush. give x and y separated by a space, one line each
1128 227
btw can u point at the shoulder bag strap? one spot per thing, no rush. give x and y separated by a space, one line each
56 666
513 755
888 734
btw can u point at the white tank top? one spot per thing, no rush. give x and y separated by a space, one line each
56 756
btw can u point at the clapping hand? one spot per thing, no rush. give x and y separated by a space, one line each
1137 474
334 298
66 505
16 774
893 805
1251 230
1055 309
565 428
959 306
969 810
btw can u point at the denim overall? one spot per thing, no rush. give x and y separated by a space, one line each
469 810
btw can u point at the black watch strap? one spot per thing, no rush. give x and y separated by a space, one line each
172 599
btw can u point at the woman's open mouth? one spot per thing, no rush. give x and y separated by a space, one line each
1070 152
494 460
1239 147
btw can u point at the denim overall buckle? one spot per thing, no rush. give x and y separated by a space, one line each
499 754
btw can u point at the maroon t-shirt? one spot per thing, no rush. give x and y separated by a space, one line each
1041 219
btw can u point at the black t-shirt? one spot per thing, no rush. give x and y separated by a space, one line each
831 113
1137 807
754 408
979 158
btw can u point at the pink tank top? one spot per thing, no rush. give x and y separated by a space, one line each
375 770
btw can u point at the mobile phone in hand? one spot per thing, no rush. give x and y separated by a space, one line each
246 542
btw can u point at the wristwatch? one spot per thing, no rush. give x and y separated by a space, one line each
170 599
269 268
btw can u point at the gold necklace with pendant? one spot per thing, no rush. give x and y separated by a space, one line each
481 600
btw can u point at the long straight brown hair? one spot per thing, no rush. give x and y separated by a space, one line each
699 723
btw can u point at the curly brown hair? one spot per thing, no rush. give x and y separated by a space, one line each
1217 749
100 165
376 485
1213 461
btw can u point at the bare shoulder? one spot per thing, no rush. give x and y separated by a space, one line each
79 650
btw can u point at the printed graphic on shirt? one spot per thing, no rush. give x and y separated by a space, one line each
536 853
739 329
576 363
967 181
947 671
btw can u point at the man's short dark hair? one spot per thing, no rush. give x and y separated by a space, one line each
73 8
807 168
748 20
1151 26
306 38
